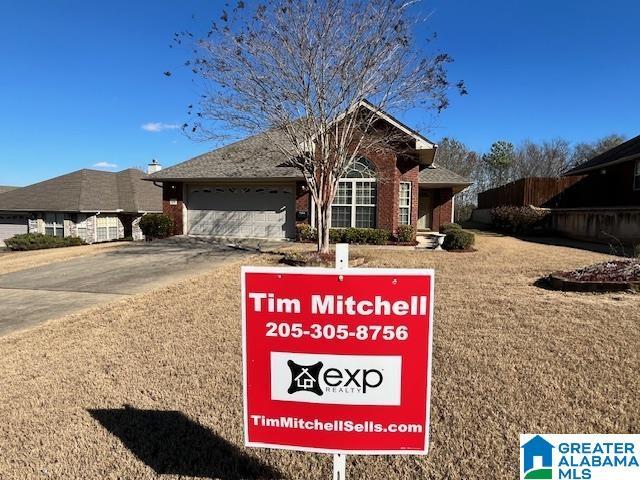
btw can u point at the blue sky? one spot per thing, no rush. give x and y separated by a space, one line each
80 78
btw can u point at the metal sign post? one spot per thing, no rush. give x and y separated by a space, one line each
340 459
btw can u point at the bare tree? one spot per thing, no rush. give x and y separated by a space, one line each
586 151
457 157
547 159
300 72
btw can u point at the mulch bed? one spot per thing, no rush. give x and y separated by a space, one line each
316 259
614 275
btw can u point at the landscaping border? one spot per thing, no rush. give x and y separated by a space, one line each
558 282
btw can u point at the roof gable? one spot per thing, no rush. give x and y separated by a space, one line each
624 152
257 157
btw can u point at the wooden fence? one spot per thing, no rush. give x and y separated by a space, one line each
536 191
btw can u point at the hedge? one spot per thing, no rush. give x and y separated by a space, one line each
362 236
518 220
306 233
458 239
406 233
445 227
365 236
38 241
156 225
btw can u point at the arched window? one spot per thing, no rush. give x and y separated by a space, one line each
355 202
361 168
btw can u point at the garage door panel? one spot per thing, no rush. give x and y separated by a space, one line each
266 212
12 224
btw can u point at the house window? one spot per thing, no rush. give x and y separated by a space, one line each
404 213
81 226
356 196
106 228
54 224
636 178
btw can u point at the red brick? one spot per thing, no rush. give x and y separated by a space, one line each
173 191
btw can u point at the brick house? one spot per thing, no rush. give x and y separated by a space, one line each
94 205
246 189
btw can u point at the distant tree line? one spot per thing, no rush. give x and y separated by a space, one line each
505 162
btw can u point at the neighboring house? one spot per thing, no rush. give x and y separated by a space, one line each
596 200
246 189
94 205
6 188
605 204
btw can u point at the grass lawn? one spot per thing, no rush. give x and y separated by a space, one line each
14 261
162 371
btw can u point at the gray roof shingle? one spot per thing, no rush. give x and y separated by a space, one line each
253 157
87 191
6 188
437 175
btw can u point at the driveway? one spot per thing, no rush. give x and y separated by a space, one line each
34 295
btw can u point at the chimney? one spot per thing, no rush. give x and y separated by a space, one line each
153 167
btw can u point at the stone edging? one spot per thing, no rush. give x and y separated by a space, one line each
568 285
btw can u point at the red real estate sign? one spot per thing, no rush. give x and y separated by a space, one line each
337 361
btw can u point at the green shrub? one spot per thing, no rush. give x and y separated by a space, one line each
38 241
336 235
156 225
518 220
362 236
306 233
356 235
378 236
406 233
445 227
636 250
458 239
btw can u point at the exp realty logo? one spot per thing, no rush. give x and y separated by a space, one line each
338 379
580 457
305 378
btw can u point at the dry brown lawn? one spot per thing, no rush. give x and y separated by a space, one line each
508 358
14 261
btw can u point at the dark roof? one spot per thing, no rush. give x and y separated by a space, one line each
6 188
253 157
87 191
624 152
440 176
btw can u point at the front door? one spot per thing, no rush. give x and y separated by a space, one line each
424 211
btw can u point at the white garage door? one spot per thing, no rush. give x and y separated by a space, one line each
257 211
12 224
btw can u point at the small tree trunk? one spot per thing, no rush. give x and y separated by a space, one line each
324 248
319 226
323 220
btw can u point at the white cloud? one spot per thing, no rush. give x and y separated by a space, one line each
105 165
159 126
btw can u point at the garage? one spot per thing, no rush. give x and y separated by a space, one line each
239 211
12 224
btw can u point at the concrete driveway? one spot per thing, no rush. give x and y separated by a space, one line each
34 295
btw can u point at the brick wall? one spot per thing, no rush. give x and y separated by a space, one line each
392 170
409 171
442 201
172 193
303 201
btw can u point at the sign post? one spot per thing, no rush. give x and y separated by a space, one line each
337 360
340 459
